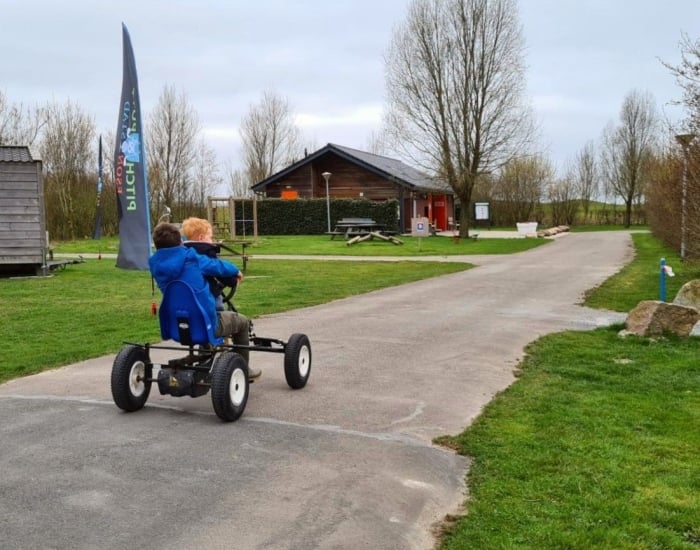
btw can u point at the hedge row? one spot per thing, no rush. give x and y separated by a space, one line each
310 216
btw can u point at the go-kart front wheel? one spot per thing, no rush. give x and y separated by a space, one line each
297 361
131 382
229 386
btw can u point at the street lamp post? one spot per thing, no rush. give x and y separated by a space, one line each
684 140
326 176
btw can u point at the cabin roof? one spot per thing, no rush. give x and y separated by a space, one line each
392 169
15 153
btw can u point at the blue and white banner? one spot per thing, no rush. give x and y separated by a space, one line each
130 171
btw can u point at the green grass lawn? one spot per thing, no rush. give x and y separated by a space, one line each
592 227
596 444
323 245
412 246
640 279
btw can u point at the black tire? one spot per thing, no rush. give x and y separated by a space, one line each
131 374
229 386
297 361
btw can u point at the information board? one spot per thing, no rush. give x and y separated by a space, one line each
420 227
481 211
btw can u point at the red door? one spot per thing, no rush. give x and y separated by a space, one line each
440 212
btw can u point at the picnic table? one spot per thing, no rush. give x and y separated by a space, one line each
362 229
353 227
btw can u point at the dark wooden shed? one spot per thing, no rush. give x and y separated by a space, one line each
358 174
23 240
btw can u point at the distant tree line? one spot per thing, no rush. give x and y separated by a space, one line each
456 108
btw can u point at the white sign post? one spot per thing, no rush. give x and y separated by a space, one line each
420 227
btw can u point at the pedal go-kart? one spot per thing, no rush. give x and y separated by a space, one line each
209 362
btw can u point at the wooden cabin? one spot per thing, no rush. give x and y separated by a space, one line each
357 174
23 240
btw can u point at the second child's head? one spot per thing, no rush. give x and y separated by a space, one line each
166 235
197 229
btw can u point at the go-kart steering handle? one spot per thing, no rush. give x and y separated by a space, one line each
228 291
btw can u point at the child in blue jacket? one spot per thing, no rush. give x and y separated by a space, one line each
173 261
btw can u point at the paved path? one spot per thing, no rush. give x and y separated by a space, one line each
346 462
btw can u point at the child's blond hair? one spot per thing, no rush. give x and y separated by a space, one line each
195 228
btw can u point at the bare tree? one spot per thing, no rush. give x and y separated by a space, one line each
455 85
563 200
271 140
627 149
237 182
520 186
171 148
67 150
377 143
584 175
19 125
205 175
687 75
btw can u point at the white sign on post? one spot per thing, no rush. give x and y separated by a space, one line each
420 227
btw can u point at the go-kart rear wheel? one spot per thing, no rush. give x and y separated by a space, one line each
297 361
229 386
130 378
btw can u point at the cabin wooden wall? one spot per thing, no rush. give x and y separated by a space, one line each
347 181
22 219
351 181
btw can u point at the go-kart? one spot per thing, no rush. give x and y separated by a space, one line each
209 362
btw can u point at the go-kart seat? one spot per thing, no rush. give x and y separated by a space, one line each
183 319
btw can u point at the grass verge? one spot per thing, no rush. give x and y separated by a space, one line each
640 279
323 245
595 445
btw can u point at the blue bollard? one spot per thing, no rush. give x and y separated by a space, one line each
662 280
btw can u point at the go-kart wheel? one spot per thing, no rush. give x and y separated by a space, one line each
297 361
229 386
130 378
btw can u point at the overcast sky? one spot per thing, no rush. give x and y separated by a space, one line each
326 57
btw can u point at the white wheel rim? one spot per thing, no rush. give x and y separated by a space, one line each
136 379
304 363
237 387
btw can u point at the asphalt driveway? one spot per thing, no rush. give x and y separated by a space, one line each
347 462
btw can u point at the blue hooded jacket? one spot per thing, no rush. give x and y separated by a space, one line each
185 264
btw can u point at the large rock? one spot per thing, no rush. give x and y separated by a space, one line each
654 318
689 294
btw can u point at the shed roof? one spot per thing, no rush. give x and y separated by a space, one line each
15 153
387 167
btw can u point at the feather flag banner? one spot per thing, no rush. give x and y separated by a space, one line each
97 231
130 171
